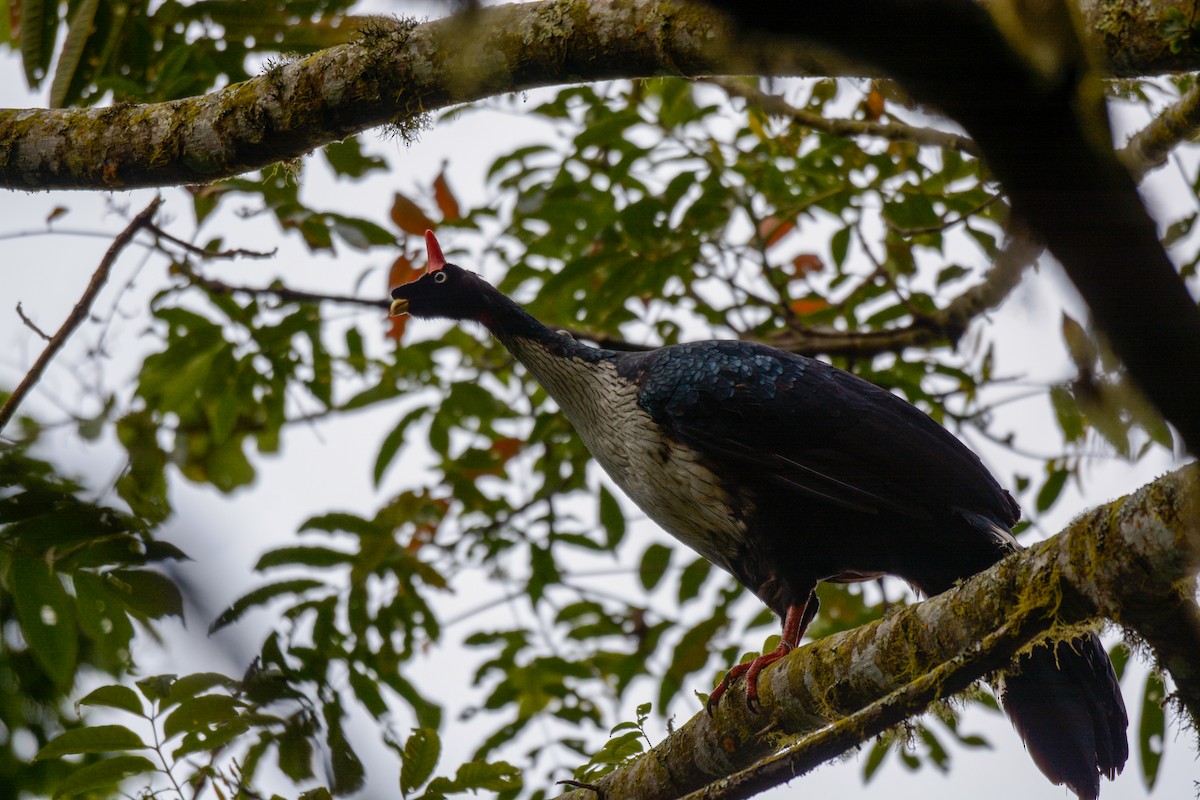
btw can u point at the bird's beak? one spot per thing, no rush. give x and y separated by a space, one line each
398 308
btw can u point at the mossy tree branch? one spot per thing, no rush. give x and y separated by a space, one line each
1125 561
397 71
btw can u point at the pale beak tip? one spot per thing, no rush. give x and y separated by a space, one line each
398 308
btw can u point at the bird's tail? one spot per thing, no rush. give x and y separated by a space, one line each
1065 703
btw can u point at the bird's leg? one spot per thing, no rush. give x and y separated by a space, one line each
795 621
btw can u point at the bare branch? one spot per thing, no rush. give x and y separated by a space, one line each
942 327
282 293
235 252
31 324
79 312
891 131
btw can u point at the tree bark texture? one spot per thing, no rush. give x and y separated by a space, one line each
1133 560
397 71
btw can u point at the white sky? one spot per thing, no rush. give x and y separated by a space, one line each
327 467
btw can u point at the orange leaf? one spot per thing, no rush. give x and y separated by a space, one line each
806 263
447 203
873 104
809 305
402 272
772 229
409 217
396 331
507 447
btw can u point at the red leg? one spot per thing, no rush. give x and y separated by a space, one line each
795 622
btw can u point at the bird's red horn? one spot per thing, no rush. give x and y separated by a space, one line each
434 251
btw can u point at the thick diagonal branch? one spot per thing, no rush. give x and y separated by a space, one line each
394 73
1120 561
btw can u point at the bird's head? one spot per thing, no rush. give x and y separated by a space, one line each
445 290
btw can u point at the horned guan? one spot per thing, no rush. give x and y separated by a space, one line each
786 471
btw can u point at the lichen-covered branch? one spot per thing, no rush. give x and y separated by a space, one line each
1127 560
1149 148
397 71
393 73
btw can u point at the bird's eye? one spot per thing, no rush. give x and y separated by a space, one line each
439 277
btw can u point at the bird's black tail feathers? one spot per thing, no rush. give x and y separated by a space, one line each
1065 703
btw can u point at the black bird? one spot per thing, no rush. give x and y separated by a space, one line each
786 471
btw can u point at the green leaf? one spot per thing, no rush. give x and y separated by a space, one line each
654 565
491 777
1070 421
303 555
295 753
348 770
839 245
79 30
96 739
261 596
612 519
46 615
347 158
121 697
875 758
692 578
1152 728
147 592
367 691
191 685
198 713
1051 489
102 775
421 754
39 22
393 441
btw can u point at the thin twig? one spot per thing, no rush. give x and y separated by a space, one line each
79 313
940 327
235 252
220 287
945 224
892 131
30 323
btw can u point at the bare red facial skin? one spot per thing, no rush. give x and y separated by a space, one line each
436 259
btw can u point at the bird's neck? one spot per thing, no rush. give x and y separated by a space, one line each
530 341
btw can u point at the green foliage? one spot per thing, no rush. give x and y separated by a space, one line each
148 52
74 578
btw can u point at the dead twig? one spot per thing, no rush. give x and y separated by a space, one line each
79 313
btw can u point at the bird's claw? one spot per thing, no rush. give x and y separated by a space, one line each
751 670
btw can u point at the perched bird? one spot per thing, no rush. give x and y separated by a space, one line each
786 471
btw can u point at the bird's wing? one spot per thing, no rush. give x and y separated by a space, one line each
795 424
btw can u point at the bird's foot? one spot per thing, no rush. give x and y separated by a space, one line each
750 669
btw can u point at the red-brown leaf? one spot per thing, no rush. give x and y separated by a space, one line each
772 229
809 305
402 272
447 203
805 263
409 217
396 329
874 104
